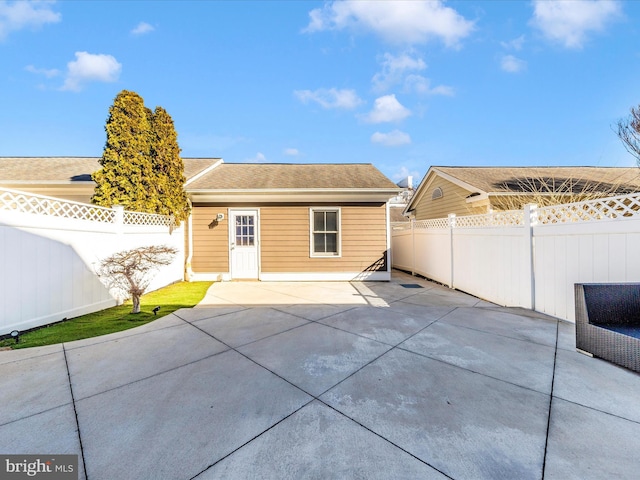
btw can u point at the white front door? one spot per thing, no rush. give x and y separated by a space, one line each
243 243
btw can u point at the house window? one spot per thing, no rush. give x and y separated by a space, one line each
325 232
437 193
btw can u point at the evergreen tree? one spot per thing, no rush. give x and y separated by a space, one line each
127 172
168 167
141 165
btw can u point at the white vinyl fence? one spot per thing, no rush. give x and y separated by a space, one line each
529 258
49 249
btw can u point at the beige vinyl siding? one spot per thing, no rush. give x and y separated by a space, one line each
210 245
454 200
285 240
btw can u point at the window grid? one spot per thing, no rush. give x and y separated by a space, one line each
245 230
325 231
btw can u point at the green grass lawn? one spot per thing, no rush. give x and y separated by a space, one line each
169 299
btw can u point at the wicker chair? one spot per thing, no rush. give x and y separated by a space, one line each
608 322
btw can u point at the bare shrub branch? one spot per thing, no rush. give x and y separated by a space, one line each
129 271
629 132
549 190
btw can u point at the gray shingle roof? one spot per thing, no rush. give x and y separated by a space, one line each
261 176
70 169
522 179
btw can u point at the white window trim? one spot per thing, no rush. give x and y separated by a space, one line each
312 254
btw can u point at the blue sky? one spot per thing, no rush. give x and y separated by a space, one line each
402 85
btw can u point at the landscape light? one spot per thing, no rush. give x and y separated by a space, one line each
16 335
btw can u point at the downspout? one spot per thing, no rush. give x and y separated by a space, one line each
530 221
188 273
389 249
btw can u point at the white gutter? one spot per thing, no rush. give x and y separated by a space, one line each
292 195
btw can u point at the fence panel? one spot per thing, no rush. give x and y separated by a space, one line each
569 253
402 249
48 257
436 267
506 260
491 263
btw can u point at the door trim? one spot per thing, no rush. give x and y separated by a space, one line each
231 238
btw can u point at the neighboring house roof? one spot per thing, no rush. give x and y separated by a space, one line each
278 181
73 170
522 179
482 182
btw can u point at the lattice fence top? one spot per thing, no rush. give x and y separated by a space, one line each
611 208
496 219
17 201
138 218
623 206
510 218
434 223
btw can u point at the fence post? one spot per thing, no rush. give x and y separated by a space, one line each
452 225
118 219
413 247
530 220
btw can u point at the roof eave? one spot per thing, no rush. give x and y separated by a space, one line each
291 195
428 178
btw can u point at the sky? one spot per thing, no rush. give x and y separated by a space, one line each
404 85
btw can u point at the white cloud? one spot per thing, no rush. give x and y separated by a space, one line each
404 172
259 158
291 152
142 28
89 67
512 64
397 69
394 68
422 85
330 98
391 139
386 109
445 90
25 14
399 21
569 23
49 73
515 44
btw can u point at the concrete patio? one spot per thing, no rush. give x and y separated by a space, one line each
406 379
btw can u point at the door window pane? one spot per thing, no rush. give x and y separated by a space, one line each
245 233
